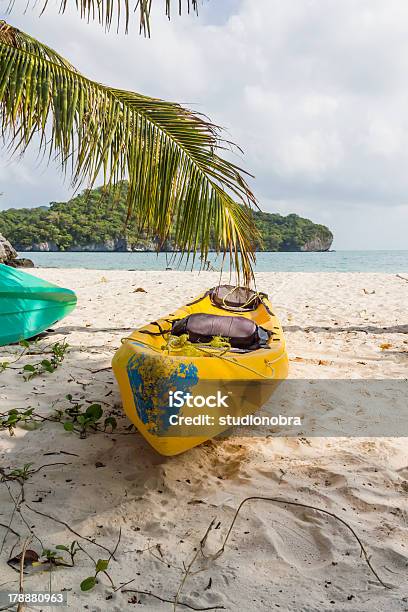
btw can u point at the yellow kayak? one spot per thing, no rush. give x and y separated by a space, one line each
183 377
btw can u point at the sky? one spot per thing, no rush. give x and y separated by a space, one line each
315 92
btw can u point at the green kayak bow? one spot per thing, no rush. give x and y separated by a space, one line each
29 305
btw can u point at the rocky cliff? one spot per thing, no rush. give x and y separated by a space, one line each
7 252
117 245
8 255
318 243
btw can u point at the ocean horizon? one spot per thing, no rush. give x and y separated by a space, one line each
330 261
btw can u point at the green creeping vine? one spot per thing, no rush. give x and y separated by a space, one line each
81 420
15 417
58 351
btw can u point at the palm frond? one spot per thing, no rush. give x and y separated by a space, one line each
111 11
168 153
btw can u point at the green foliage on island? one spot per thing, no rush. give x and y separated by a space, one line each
291 233
94 220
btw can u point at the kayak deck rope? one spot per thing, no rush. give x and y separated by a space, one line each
255 296
209 353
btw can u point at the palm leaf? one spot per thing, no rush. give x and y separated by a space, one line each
109 11
168 154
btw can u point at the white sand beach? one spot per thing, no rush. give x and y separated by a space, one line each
337 326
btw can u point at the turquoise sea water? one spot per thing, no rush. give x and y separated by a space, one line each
336 261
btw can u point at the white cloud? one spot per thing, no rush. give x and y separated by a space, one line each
315 93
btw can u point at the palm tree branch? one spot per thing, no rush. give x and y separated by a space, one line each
109 11
168 153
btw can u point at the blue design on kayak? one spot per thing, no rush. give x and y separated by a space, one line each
151 379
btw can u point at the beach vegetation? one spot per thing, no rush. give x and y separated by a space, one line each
82 420
57 356
101 566
11 419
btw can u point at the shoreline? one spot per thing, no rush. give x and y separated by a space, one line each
391 262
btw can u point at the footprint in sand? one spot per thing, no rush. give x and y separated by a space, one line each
229 459
305 547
